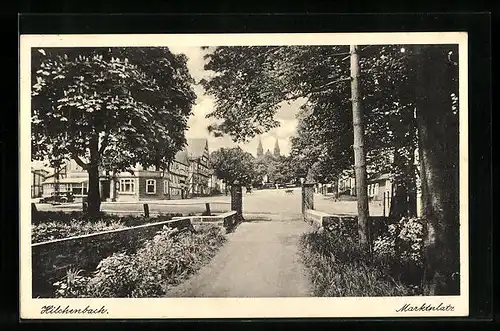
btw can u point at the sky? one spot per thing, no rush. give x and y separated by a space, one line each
198 122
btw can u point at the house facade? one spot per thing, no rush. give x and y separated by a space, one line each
347 183
198 172
188 175
141 184
72 178
177 176
379 187
215 184
37 178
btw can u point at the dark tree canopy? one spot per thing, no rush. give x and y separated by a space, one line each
409 101
233 164
109 108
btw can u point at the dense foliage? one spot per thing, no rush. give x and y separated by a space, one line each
58 225
233 164
109 108
161 263
409 98
57 230
339 268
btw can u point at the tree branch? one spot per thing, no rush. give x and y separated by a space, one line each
79 161
316 89
104 143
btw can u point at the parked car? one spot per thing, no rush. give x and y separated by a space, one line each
58 197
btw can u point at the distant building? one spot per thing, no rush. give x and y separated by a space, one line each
188 174
177 177
215 184
37 178
72 178
260 150
347 183
198 174
276 152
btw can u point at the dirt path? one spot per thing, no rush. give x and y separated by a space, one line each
260 259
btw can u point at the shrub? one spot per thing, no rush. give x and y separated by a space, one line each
338 267
68 217
57 230
162 262
402 246
58 225
403 240
73 285
116 276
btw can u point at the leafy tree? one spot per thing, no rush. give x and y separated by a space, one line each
233 164
437 117
109 108
251 83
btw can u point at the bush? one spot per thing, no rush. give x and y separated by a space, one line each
68 217
115 276
162 262
73 285
338 268
402 246
58 230
58 225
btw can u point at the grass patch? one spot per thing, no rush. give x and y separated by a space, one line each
339 268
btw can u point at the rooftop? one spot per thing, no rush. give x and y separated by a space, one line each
376 178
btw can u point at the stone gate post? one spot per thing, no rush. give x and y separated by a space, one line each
237 200
307 197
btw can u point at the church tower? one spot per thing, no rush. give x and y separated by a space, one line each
276 151
260 150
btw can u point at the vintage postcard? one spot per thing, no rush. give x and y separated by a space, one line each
243 176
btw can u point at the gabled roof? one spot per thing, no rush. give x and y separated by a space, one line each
380 177
196 147
39 170
182 157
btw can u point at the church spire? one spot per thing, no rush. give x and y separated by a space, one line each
260 150
277 151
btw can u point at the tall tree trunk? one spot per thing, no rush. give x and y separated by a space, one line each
359 153
438 153
412 186
94 199
404 198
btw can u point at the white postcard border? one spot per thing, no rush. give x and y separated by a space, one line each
235 307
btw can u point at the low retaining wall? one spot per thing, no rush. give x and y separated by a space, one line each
347 224
51 259
228 220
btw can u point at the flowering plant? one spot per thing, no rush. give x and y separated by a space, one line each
404 241
73 285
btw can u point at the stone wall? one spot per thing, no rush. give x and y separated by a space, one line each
51 260
228 220
346 224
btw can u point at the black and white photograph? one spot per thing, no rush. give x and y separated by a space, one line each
190 176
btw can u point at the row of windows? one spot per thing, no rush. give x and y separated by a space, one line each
128 186
75 188
373 189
